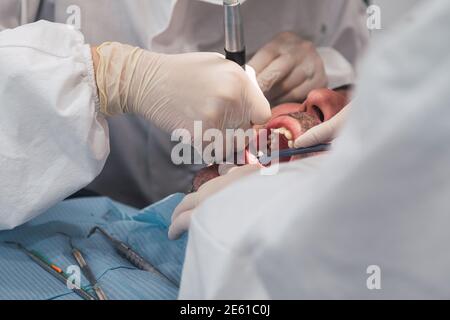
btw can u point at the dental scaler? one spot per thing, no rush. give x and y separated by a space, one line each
234 32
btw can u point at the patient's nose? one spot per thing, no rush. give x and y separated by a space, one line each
324 103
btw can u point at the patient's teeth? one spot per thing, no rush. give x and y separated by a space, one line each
282 130
288 135
291 144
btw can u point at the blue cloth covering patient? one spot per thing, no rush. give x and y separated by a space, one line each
145 231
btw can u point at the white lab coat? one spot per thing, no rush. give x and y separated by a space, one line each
139 169
379 200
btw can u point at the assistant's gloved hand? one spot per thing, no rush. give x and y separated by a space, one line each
181 218
173 91
324 132
288 68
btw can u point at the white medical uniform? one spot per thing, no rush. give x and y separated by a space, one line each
47 90
374 212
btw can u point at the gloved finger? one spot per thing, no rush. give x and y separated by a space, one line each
189 202
251 74
180 225
275 72
226 168
319 80
263 58
234 171
295 79
298 93
324 132
257 105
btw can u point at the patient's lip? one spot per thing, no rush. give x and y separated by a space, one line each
292 117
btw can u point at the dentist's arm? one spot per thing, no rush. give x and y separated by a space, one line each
53 139
325 132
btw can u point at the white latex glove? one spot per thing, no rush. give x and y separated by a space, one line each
181 218
173 91
325 132
288 68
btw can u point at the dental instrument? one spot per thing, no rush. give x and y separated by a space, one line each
51 268
129 254
264 159
234 32
86 269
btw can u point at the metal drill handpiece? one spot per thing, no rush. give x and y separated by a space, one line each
234 32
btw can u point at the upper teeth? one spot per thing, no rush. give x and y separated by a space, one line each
288 134
285 132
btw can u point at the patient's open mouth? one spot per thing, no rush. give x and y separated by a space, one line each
286 125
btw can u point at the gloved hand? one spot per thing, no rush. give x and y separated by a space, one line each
288 68
324 132
182 215
173 91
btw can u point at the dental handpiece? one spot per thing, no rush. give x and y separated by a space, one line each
234 32
130 255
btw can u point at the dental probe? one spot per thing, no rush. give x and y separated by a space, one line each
294 152
129 254
234 32
54 270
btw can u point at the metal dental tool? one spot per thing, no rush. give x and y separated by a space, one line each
264 159
129 254
234 32
87 271
51 268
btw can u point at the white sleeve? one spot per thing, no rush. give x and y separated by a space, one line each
53 141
